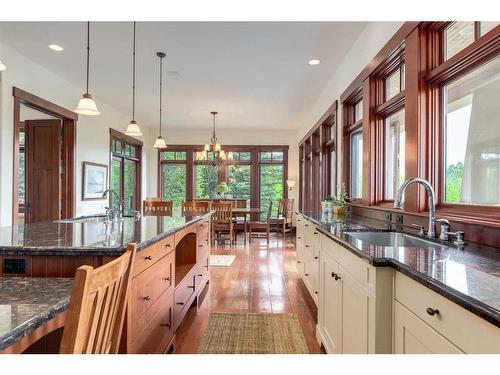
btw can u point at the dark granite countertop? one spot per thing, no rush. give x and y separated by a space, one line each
469 277
28 302
91 238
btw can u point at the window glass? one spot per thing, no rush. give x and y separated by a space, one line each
277 156
472 137
356 182
487 26
457 36
358 111
333 169
117 146
206 181
266 156
271 187
238 181
242 156
129 150
393 84
174 183
394 153
168 155
116 181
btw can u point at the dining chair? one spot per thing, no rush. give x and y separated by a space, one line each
222 222
96 313
196 206
157 208
263 227
240 221
283 220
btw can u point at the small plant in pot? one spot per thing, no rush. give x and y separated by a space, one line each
327 204
339 202
222 189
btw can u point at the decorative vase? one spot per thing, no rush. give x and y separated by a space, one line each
338 210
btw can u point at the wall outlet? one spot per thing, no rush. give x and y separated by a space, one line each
399 219
387 216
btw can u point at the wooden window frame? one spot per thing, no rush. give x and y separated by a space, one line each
440 73
254 162
314 165
126 140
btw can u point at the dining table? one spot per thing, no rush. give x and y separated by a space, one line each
245 212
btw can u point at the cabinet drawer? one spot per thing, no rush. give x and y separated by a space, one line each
182 296
159 330
150 255
464 329
203 225
359 268
201 269
150 285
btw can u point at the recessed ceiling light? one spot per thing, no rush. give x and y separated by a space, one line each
314 62
55 47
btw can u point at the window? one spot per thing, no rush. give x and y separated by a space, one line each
394 153
472 137
174 183
125 173
272 183
395 83
173 155
206 179
271 156
459 35
242 156
22 164
358 111
356 178
239 181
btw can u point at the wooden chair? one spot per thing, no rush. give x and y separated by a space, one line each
263 227
196 206
240 222
283 221
96 313
222 222
156 208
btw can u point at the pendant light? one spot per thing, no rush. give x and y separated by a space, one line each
2 66
133 129
86 105
212 153
160 142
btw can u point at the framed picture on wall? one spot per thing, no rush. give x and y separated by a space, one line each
95 177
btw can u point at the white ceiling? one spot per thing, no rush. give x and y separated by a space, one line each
254 73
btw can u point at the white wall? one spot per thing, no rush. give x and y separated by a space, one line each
371 40
92 132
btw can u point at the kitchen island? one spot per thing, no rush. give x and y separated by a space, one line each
170 271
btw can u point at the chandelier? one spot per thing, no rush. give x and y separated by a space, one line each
212 153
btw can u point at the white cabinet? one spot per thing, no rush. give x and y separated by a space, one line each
426 320
307 247
413 336
349 320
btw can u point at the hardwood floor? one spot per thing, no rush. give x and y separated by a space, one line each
261 279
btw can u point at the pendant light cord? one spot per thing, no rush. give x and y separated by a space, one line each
161 84
133 80
88 54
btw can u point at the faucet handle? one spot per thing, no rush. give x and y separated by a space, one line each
421 231
459 235
445 229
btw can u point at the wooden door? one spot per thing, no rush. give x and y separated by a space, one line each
330 303
358 316
43 162
413 336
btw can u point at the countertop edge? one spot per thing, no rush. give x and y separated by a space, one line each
472 305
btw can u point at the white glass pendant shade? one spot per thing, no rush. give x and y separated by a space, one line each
133 129
2 66
230 155
222 154
217 147
207 147
87 106
160 142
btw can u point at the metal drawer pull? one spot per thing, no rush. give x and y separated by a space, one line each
299 238
315 232
168 245
307 245
200 275
191 286
299 261
316 257
432 311
315 292
149 257
200 245
147 298
166 325
335 276
167 278
306 274
180 303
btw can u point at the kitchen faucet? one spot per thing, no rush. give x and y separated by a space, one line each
398 202
111 212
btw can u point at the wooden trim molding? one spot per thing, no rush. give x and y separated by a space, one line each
43 105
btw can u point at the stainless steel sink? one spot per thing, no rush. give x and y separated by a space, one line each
391 239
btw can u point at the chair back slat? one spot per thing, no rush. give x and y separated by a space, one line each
223 211
97 307
157 208
196 206
269 211
241 203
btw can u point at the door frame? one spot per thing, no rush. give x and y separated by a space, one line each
69 120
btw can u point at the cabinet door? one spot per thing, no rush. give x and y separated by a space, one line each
330 304
413 336
358 316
